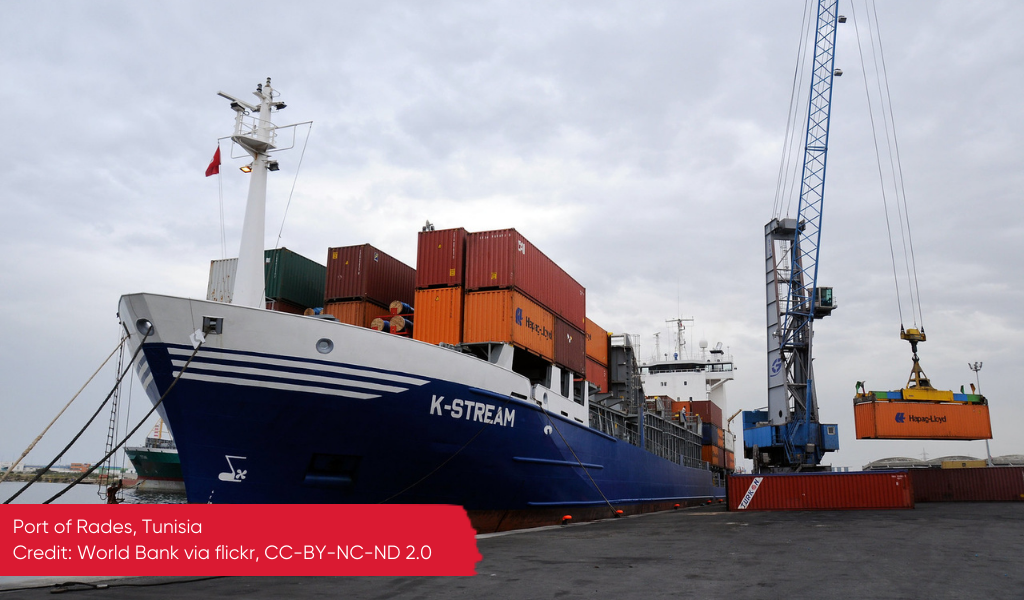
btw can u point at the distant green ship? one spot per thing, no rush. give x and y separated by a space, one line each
157 464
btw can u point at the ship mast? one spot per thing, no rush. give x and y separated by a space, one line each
256 136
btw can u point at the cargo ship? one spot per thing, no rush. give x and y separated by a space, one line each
474 383
157 463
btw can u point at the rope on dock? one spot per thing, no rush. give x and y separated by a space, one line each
40 436
136 428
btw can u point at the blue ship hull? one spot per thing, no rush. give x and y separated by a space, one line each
255 427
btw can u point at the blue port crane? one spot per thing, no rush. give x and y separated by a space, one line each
787 436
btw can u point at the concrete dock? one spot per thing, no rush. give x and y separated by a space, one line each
938 550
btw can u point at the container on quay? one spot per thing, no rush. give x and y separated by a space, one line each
987 484
821 491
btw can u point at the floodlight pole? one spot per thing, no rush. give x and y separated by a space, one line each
976 367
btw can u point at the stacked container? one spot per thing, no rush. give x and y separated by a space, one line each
292 282
713 445
505 260
366 273
509 316
355 312
440 275
597 355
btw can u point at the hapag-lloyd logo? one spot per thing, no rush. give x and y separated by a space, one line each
537 328
903 418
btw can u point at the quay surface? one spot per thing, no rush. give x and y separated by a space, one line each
936 551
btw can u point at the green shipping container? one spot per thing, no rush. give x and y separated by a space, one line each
293 277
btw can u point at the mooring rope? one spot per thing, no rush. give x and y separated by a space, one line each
132 432
117 384
40 436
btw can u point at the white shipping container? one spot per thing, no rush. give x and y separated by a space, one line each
222 280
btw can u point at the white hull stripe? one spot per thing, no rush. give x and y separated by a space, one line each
276 385
226 371
291 364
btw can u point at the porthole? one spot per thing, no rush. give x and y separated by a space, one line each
324 346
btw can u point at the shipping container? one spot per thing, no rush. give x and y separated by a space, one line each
439 315
963 464
730 460
441 258
509 317
990 484
285 306
821 491
921 421
355 312
287 276
683 408
709 411
598 375
597 342
366 273
711 435
292 277
504 259
570 347
712 455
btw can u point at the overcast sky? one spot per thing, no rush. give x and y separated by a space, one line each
636 143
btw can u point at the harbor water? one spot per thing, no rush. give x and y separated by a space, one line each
38 493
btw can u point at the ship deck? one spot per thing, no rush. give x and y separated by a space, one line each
938 550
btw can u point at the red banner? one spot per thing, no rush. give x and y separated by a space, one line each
220 539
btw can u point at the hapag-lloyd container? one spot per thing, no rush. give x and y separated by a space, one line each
441 258
570 347
821 491
504 259
509 317
439 315
597 342
986 484
366 273
921 421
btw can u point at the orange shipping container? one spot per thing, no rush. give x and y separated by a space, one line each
597 342
711 455
681 407
439 315
598 375
508 316
921 421
730 461
355 312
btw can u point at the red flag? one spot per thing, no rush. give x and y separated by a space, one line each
214 167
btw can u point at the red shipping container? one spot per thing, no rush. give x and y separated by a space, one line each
709 411
570 347
821 491
597 374
441 258
988 484
504 259
597 342
285 306
365 273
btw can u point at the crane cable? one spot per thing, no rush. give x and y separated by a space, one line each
789 148
896 170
